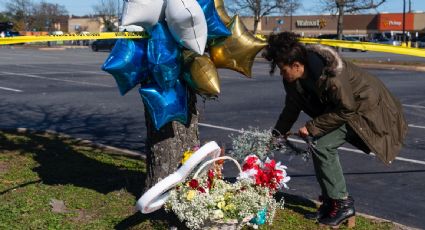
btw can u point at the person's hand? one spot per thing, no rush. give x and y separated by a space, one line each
286 135
303 132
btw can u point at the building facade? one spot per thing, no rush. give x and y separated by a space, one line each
362 25
87 24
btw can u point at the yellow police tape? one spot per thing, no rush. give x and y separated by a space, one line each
365 46
72 37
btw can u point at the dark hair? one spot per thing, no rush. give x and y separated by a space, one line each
284 48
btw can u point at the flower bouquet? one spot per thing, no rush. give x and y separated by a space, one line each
207 201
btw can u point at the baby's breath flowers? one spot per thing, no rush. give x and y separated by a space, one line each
254 141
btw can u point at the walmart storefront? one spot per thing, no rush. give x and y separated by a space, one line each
362 25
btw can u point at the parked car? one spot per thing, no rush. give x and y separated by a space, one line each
11 34
421 42
8 33
387 41
57 32
103 44
335 37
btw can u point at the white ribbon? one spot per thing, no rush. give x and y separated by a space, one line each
156 196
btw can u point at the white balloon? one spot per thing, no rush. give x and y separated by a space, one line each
187 24
156 196
145 13
130 28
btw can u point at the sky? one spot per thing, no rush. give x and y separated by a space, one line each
309 7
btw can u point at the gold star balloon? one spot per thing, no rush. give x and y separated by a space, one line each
237 52
203 75
221 10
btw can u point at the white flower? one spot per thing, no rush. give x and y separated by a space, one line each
248 174
217 214
257 160
280 166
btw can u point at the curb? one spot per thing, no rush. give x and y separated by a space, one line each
52 49
374 218
125 152
108 149
390 67
377 66
381 220
76 47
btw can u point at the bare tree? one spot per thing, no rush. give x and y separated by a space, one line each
108 11
20 13
4 17
46 15
348 6
260 8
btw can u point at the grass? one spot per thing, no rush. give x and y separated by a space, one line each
51 182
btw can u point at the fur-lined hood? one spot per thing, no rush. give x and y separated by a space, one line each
334 64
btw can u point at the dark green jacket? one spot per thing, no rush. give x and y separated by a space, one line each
347 95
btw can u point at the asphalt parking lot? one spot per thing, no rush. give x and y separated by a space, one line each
67 92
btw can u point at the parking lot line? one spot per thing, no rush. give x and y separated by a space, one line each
74 72
417 126
303 142
414 106
10 89
56 79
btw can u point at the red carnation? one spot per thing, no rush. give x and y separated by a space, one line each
201 189
194 184
210 174
251 160
270 165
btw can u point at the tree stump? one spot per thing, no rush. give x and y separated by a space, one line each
165 147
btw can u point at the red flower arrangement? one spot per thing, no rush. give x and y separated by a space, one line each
269 174
194 183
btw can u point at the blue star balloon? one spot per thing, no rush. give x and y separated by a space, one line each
216 27
128 63
164 56
166 105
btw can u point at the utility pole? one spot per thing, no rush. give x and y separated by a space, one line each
118 12
290 15
404 22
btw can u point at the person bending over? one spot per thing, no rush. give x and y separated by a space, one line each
346 104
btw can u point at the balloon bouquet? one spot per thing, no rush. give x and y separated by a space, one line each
172 60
